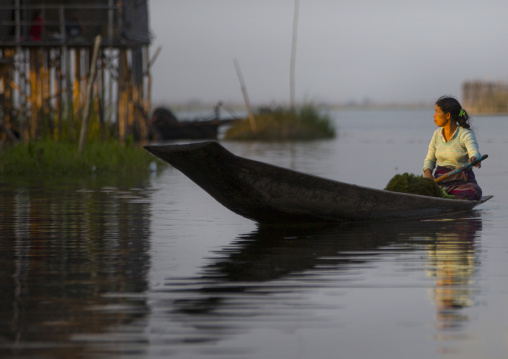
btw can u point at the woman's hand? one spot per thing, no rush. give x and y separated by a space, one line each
428 173
472 159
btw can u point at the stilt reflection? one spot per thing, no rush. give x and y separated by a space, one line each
74 264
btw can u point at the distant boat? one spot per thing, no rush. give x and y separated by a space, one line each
270 194
165 126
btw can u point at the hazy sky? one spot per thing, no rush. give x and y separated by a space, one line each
387 51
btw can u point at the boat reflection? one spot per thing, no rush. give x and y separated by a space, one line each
248 279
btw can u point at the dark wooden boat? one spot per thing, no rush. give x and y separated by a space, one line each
165 126
270 194
191 130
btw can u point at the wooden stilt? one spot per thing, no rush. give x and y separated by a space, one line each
76 86
33 93
122 96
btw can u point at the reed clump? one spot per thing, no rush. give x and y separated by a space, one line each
62 158
274 124
410 183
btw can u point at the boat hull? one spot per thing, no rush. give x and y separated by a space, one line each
189 130
270 194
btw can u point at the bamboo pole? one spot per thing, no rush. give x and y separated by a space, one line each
21 72
24 85
138 99
148 93
131 89
148 101
58 95
33 93
109 104
122 96
252 120
138 94
61 71
46 92
7 104
77 81
100 99
39 92
89 94
154 57
293 57
69 108
130 106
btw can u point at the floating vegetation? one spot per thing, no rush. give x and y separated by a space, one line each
410 183
272 124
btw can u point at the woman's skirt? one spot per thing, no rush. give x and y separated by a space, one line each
462 185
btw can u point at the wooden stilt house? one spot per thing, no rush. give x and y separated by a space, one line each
485 97
46 49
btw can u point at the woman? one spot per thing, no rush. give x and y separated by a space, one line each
453 145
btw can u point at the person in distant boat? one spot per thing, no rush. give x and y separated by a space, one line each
453 145
36 26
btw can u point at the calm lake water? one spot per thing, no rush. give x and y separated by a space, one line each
156 268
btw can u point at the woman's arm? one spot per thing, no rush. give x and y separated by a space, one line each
471 145
430 160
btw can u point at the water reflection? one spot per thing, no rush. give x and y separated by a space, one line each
76 256
74 262
262 276
453 260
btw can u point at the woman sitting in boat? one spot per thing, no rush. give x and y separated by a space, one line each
453 145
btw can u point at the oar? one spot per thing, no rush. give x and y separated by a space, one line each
460 169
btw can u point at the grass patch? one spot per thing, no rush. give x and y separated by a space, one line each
61 158
272 124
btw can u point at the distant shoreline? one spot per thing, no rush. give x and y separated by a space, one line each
238 108
198 106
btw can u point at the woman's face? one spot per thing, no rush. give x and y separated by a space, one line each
440 118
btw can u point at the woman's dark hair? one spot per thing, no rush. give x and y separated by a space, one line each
451 105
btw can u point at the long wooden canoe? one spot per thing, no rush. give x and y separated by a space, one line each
270 194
